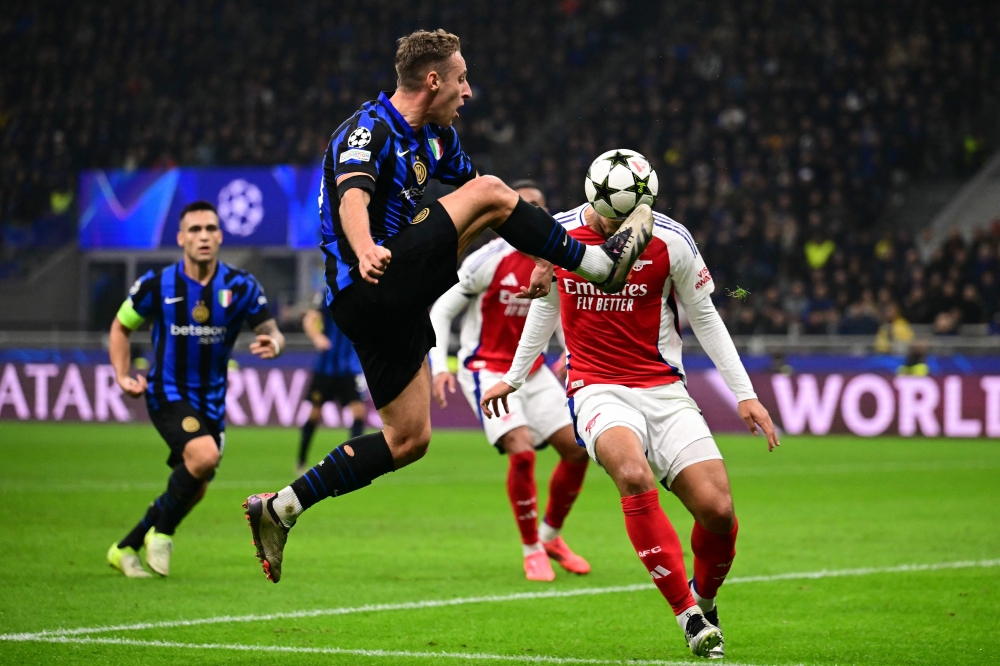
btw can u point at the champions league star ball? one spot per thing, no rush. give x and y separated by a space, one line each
618 181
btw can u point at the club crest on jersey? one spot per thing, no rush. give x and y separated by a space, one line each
225 297
200 313
420 171
437 148
640 264
421 216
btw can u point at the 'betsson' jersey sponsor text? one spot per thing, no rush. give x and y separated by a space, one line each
644 313
493 322
193 330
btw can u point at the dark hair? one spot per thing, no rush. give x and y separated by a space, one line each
420 52
526 183
196 206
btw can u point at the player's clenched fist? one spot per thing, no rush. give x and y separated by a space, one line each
373 263
133 387
495 397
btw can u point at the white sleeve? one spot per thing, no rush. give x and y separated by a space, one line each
543 317
714 338
453 302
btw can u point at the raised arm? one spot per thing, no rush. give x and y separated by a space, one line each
543 317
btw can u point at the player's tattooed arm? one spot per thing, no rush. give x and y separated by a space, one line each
269 342
312 324
121 359
372 259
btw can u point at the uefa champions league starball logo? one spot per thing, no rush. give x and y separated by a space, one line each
241 207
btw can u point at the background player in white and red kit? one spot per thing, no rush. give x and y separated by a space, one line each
495 304
634 415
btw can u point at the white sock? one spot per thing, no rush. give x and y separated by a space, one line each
704 604
287 506
547 533
683 618
596 265
532 548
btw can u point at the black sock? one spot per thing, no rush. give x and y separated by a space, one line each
357 428
134 538
182 488
533 231
340 472
308 428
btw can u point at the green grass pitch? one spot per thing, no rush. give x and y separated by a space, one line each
442 529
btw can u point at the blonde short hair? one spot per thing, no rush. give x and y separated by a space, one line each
421 52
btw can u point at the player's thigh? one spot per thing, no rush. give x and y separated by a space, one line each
406 420
674 424
201 455
703 487
619 450
478 204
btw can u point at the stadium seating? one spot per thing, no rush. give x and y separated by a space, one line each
778 146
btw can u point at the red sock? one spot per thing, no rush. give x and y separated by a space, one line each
522 494
567 479
657 545
713 557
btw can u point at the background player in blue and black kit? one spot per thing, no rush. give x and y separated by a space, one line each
388 261
336 377
196 308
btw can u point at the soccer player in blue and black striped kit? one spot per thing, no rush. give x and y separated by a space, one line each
336 377
388 260
196 308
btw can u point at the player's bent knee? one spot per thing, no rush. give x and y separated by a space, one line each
634 479
718 516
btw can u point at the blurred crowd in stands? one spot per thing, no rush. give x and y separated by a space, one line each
779 130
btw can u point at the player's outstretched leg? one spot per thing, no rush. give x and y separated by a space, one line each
653 537
564 487
351 466
704 489
488 202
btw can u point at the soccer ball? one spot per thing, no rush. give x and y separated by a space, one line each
618 181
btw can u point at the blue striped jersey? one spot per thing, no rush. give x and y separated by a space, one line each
340 359
378 141
193 329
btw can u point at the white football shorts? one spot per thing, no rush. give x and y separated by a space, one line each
667 421
540 404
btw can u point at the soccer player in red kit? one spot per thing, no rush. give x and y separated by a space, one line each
490 294
632 411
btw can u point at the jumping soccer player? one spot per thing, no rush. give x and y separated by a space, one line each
336 377
197 307
488 292
634 415
386 264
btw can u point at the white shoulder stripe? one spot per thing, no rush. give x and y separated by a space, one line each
664 222
480 256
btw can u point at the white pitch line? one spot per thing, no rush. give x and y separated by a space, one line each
468 656
461 601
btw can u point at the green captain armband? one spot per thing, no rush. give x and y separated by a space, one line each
129 318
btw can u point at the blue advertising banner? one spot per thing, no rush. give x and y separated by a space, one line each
139 209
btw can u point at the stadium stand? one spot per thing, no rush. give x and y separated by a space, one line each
779 147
